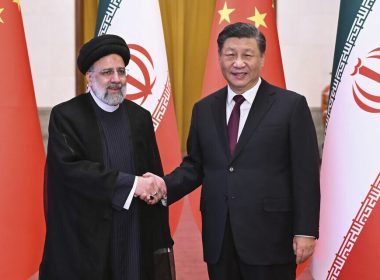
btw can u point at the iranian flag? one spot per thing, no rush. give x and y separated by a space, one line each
349 244
148 82
22 224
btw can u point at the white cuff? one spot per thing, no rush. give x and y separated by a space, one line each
128 202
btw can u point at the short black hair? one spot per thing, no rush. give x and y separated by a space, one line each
241 30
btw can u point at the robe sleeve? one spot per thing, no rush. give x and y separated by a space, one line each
123 188
72 169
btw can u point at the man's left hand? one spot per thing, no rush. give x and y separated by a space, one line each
303 247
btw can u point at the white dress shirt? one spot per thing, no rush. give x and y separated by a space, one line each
249 96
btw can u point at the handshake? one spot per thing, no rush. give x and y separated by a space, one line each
151 188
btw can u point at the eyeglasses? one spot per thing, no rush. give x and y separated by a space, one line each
109 72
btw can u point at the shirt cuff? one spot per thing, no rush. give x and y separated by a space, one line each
123 187
128 202
308 236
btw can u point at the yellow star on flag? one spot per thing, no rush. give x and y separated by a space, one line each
225 13
1 10
258 18
17 2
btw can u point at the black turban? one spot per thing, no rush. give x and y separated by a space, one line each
101 46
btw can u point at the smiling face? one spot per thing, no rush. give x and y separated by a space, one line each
241 63
107 79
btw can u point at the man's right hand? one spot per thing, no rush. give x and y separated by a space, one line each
149 188
160 186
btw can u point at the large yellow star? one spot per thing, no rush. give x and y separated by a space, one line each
225 13
1 10
17 2
258 18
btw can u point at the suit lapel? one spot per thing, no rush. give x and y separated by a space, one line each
261 105
219 113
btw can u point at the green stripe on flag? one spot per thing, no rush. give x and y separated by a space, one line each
352 17
106 11
347 14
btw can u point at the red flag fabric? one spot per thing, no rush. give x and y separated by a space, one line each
22 154
262 15
362 264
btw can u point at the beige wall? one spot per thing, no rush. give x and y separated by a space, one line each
307 31
49 30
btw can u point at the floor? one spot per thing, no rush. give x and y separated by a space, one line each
188 248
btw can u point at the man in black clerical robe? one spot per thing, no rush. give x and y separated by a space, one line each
99 145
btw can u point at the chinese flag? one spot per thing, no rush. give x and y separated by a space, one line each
22 155
260 13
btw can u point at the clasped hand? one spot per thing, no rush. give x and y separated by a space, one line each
150 188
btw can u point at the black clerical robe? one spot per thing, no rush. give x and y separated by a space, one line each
80 191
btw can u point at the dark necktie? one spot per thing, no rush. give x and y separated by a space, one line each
233 122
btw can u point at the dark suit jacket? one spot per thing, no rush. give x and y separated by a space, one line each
269 187
80 190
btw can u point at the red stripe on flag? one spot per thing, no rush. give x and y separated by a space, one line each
357 256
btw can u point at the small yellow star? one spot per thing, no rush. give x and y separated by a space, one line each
258 18
225 13
18 3
1 10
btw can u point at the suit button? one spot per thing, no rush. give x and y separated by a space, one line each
231 169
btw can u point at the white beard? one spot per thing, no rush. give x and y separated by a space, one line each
110 99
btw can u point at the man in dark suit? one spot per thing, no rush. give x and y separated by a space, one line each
253 148
98 145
